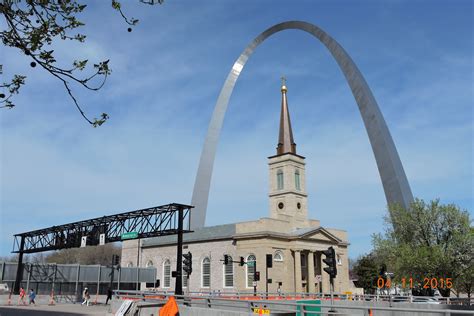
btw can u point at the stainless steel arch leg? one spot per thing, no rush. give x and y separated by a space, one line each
395 183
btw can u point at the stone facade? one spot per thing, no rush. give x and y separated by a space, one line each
296 256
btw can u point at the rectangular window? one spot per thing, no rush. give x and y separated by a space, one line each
297 181
280 180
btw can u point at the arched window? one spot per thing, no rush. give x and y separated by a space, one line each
206 272
149 264
280 179
251 260
229 273
278 256
297 180
166 273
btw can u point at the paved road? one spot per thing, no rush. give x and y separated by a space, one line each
56 310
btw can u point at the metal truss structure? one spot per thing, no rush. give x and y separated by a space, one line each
156 221
149 222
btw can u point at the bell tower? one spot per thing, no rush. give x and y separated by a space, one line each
287 194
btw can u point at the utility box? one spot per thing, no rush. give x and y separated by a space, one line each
308 308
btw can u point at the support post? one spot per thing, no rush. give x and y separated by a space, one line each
332 296
138 276
111 284
255 277
29 276
19 269
77 282
119 276
266 281
55 269
179 261
98 284
3 271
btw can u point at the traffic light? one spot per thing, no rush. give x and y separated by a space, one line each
257 276
115 260
188 263
226 259
383 271
242 261
330 260
269 260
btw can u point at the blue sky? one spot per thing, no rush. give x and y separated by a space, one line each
415 55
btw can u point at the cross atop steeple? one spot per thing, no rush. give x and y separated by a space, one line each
286 143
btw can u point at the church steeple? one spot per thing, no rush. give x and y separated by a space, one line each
286 144
287 194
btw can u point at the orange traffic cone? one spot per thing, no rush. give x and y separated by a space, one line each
370 312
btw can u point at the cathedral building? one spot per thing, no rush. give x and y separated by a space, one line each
293 241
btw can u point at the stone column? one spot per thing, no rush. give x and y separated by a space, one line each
311 288
298 271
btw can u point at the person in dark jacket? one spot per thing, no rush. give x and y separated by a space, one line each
32 297
109 295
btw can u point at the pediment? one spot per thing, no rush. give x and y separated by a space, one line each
320 234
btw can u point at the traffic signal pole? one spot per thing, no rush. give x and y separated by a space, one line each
255 278
331 269
332 295
112 272
179 263
19 269
268 264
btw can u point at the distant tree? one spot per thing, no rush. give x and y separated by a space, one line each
465 282
32 27
429 240
11 258
366 270
89 255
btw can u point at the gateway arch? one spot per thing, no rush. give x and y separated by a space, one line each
394 180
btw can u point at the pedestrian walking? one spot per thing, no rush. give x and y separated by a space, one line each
32 297
22 296
109 295
86 296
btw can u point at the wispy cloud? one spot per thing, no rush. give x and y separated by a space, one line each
166 77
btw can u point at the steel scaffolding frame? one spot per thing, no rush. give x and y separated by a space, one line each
156 221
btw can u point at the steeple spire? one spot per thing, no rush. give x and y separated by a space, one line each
286 144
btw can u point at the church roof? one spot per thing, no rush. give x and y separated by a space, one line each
286 143
219 232
228 231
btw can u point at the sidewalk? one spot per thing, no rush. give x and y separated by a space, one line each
55 310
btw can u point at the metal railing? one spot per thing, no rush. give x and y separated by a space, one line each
391 298
288 304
